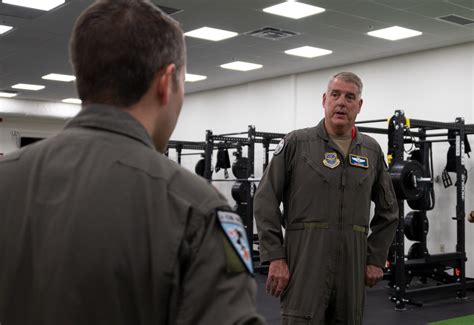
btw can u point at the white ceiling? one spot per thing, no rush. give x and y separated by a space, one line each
39 43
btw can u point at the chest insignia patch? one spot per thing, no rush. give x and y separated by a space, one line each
235 232
359 161
331 160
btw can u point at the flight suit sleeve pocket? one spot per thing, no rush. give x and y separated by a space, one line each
295 317
387 198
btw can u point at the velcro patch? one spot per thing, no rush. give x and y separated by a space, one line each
331 160
279 148
234 230
359 161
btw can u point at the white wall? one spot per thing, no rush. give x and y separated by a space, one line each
12 127
431 85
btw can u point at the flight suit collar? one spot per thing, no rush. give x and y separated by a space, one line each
321 131
112 119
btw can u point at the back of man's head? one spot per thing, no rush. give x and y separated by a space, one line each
118 46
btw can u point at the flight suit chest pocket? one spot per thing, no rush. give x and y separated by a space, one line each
310 189
315 167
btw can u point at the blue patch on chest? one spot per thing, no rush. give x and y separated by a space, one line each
359 161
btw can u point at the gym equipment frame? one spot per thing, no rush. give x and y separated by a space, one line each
179 146
237 141
401 270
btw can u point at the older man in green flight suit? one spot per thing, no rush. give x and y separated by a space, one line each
326 176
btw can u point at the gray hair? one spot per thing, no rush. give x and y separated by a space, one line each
348 77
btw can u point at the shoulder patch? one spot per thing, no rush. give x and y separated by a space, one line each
279 148
234 230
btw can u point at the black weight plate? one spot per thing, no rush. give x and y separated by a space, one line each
200 166
239 168
415 223
402 177
416 251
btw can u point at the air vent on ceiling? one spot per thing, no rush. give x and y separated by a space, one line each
168 10
271 33
455 19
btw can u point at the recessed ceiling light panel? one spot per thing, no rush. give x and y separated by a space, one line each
394 33
308 52
59 77
4 29
293 9
241 66
211 34
72 101
194 77
28 87
8 94
35 4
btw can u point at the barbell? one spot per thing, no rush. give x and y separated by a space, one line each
408 181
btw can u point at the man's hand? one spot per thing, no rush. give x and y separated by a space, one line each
373 274
278 276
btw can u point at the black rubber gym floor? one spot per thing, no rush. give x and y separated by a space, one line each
379 309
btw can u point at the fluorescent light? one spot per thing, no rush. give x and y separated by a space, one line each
8 94
194 77
308 51
4 29
394 33
211 34
295 10
35 4
59 77
72 101
241 66
28 87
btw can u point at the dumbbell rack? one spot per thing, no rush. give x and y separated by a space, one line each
400 270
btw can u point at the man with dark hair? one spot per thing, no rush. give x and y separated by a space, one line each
326 177
97 227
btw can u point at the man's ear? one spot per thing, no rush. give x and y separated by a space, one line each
164 83
361 101
324 99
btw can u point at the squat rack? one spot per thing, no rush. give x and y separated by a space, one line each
399 270
179 146
236 140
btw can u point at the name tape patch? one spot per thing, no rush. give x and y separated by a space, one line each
235 232
359 161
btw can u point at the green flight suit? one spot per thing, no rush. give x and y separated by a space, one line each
97 227
326 202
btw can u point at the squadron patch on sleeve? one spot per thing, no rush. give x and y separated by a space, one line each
279 148
234 230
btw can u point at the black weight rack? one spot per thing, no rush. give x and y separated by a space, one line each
237 141
435 267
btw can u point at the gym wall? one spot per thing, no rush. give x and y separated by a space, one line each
431 85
